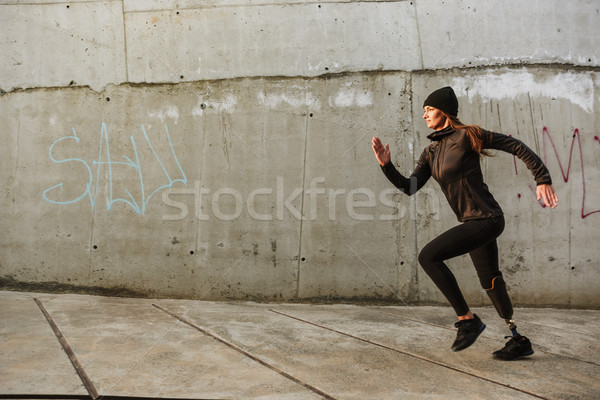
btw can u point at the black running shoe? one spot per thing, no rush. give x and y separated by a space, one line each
517 347
468 331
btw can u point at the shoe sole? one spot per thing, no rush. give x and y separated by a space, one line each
474 340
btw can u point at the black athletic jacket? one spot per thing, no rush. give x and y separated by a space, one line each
453 163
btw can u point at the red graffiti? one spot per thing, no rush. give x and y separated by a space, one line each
576 137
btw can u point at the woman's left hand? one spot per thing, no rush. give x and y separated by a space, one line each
547 193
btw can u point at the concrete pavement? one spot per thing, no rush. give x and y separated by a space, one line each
75 347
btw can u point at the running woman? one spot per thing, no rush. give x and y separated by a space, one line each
453 160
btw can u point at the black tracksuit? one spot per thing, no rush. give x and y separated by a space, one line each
453 163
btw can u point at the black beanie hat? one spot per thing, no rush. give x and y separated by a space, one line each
443 99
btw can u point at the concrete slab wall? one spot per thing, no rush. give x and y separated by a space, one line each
221 149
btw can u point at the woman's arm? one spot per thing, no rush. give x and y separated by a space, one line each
407 185
509 144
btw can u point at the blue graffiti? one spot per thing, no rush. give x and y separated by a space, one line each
91 189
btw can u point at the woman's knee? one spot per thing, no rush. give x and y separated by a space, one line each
426 258
486 279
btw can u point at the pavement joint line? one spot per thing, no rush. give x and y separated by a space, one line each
45 396
87 382
411 355
246 353
569 358
412 319
86 397
484 335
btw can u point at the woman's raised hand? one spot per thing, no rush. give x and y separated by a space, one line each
547 193
381 153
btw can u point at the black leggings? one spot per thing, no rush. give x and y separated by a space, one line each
476 237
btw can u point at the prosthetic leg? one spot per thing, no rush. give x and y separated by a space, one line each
499 297
518 346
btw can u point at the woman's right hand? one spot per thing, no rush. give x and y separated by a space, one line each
547 194
381 153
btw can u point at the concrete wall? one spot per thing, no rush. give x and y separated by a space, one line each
221 149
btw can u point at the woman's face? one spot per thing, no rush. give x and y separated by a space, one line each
435 119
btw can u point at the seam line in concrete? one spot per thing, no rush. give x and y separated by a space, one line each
125 56
87 397
415 268
65 345
257 5
564 67
45 396
247 354
308 116
58 3
421 64
413 320
451 329
410 355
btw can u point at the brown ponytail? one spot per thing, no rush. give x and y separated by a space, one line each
474 132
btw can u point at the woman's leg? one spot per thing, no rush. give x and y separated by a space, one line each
461 239
485 260
465 238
